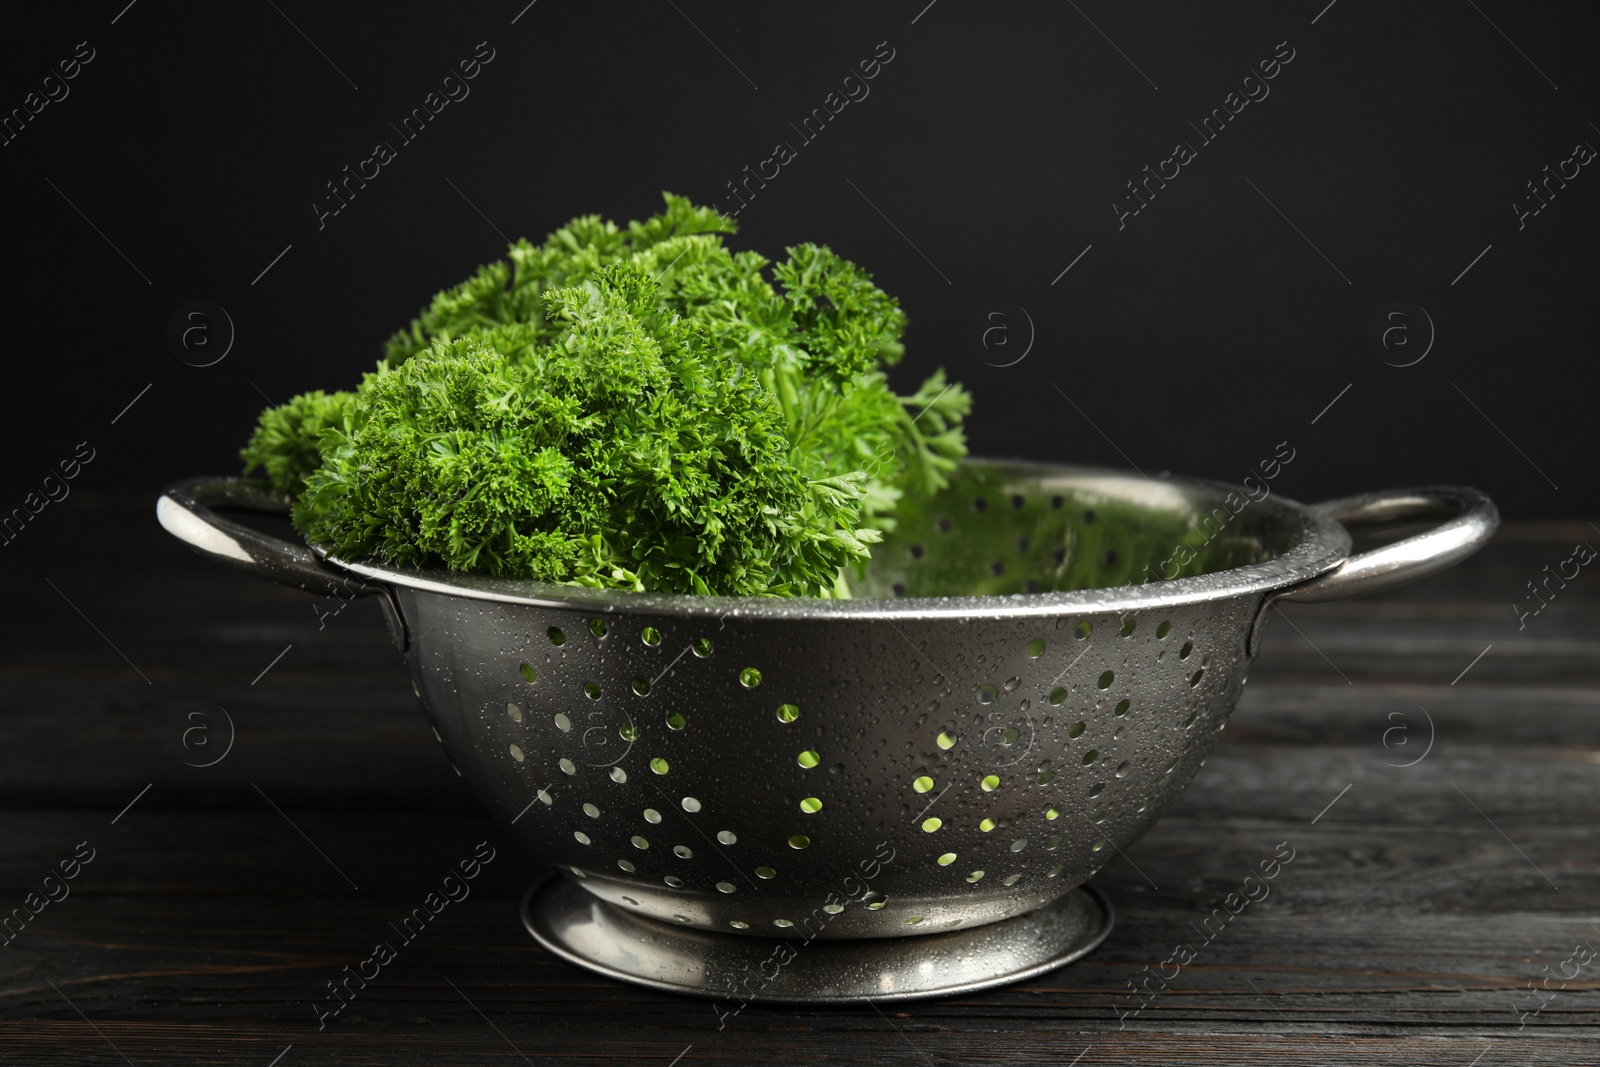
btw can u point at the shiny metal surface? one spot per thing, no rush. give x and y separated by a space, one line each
740 970
1473 520
945 750
998 779
186 510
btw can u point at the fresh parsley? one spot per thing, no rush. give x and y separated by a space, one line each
634 408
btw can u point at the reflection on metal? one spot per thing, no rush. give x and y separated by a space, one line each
609 940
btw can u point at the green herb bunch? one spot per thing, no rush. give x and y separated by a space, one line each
635 408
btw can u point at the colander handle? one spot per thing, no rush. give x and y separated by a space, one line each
1473 520
187 510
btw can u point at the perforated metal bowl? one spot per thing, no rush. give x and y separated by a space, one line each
1033 667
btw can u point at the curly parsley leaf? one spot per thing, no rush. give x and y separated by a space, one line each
636 408
284 445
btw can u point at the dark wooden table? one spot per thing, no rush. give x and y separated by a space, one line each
1421 904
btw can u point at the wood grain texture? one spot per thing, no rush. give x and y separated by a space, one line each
1416 911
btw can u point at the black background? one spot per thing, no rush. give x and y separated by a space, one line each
1196 339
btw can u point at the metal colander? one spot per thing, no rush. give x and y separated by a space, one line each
1034 665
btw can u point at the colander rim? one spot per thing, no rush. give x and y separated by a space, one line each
1317 544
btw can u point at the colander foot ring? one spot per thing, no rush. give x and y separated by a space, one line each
736 969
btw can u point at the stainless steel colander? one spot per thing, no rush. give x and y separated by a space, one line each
890 796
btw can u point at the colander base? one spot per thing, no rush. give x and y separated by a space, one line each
736 969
